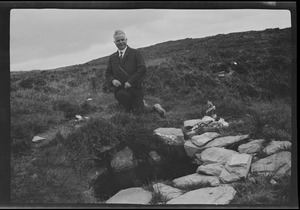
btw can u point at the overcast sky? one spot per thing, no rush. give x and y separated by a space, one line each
51 38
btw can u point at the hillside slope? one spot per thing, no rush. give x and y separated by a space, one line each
246 75
263 67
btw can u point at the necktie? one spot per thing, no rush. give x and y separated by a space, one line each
120 55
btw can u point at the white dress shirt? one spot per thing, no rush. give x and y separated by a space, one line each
123 52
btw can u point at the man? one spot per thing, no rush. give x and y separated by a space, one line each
126 71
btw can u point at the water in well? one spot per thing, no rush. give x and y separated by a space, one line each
142 175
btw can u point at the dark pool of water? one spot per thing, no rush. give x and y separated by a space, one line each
142 175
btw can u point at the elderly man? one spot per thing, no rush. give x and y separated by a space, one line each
126 71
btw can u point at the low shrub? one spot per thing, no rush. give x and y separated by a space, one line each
84 144
261 191
34 82
272 119
86 108
69 109
23 130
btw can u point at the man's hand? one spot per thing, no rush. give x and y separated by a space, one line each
127 85
116 83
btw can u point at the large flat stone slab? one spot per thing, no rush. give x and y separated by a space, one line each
277 165
167 191
276 146
236 168
200 140
215 155
134 195
195 179
191 123
221 195
171 136
226 141
191 149
252 147
213 169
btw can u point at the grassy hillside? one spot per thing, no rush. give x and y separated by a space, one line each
246 75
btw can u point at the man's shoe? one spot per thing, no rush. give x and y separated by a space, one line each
160 110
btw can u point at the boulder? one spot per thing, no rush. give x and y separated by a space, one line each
191 149
171 136
215 155
167 191
276 165
124 159
213 169
226 141
195 179
276 146
200 140
134 195
211 195
252 147
236 168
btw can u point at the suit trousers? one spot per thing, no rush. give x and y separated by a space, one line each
131 99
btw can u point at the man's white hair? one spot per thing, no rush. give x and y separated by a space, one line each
119 33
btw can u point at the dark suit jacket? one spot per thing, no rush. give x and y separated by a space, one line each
132 63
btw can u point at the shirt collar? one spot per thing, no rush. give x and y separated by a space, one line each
123 51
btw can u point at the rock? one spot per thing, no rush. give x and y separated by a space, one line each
252 147
223 123
191 149
37 139
211 108
190 134
154 156
273 182
134 195
226 141
191 123
207 119
123 160
194 179
216 155
171 136
213 169
167 191
200 140
210 195
276 165
276 146
236 168
78 118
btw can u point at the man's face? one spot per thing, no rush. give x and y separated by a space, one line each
121 42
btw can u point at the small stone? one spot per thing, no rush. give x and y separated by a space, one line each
154 156
273 182
78 118
37 139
